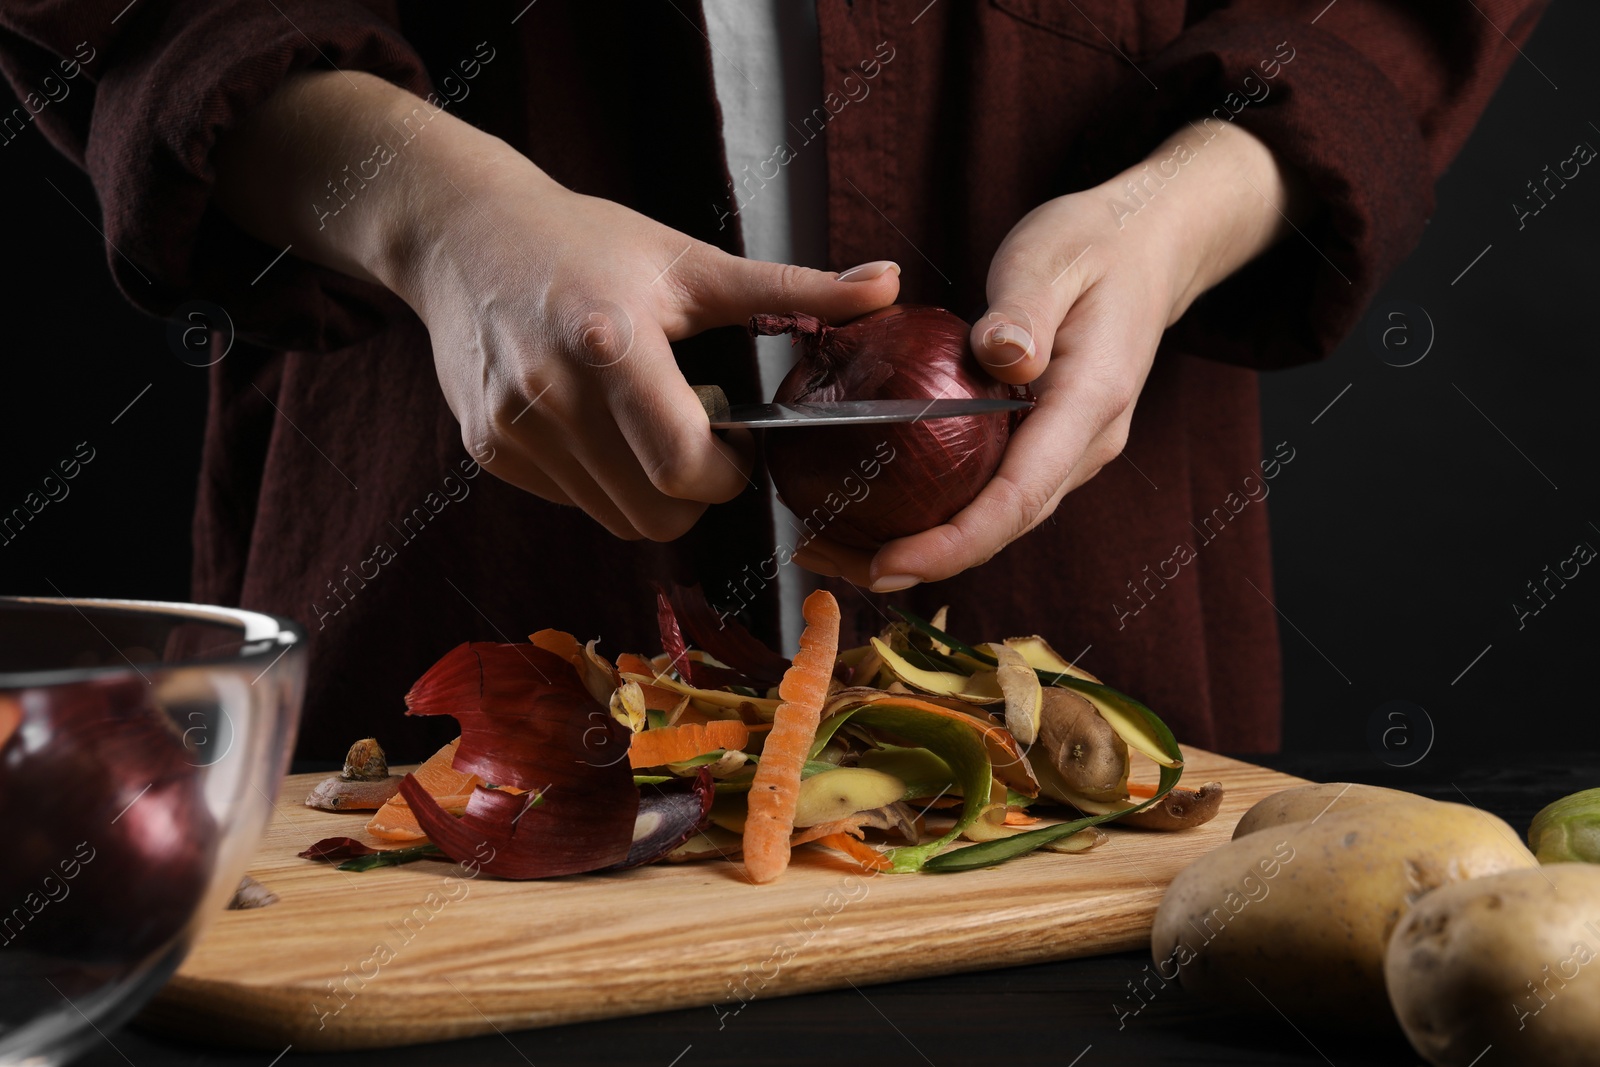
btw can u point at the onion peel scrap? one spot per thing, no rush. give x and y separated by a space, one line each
527 720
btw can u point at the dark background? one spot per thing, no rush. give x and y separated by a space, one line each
1417 508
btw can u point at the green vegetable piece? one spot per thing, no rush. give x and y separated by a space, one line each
962 750
825 731
1015 799
989 853
923 772
391 857
684 766
1568 831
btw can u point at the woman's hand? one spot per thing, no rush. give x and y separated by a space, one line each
549 312
1079 293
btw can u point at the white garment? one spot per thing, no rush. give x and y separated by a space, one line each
766 61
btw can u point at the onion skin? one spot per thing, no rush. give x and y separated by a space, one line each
529 721
862 486
683 612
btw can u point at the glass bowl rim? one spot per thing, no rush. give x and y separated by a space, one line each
266 637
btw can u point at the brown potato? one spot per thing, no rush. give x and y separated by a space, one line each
1296 917
1308 801
1502 970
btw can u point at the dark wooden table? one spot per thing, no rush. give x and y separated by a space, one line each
1062 1014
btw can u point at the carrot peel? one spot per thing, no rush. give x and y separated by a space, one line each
674 744
776 787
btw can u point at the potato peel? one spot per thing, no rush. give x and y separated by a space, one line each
1024 696
982 688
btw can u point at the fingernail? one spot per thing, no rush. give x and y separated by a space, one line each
1009 333
893 583
868 271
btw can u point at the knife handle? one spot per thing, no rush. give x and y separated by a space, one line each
713 400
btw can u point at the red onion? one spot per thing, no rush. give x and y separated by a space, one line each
103 806
864 485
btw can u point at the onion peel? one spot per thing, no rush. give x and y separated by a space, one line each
527 720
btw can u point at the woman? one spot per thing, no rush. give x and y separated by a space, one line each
510 239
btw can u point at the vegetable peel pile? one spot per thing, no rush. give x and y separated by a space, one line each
889 753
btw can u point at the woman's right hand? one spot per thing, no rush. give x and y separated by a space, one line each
549 312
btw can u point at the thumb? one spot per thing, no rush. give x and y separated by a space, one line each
730 289
1014 337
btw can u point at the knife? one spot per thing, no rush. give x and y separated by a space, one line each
724 416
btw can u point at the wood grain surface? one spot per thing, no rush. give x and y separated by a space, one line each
422 952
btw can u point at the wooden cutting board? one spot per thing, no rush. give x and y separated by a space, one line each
423 953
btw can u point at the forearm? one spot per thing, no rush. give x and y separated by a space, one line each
1217 196
345 167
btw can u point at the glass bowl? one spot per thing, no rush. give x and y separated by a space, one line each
141 749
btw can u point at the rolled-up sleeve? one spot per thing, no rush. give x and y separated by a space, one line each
138 95
1367 102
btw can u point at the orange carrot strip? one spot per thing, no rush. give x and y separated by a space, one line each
869 858
658 699
1141 789
776 787
395 821
844 835
632 663
1017 817
562 644
673 744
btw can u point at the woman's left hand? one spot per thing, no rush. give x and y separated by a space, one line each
1079 293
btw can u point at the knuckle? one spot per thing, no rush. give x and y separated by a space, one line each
602 334
673 474
1025 500
1094 461
1107 401
789 282
1016 259
949 541
1116 438
1044 513
516 410
482 441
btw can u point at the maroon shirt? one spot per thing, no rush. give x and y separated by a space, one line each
335 488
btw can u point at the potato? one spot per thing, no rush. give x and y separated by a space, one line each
1301 913
1308 801
1509 963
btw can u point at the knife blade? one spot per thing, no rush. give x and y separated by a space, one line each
724 416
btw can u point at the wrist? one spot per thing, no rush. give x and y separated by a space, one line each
448 177
1208 201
